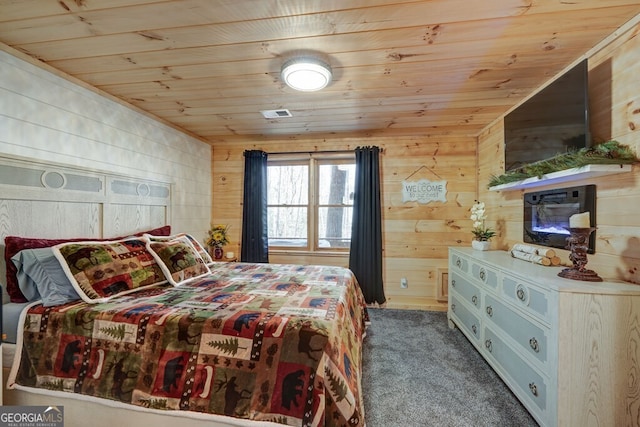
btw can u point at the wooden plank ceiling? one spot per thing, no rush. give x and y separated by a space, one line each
400 67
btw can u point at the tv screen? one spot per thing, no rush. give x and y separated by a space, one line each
553 121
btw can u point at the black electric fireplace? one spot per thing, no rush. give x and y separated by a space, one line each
546 215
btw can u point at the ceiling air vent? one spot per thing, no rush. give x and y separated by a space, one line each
276 114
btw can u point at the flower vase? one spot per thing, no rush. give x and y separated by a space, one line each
217 253
480 245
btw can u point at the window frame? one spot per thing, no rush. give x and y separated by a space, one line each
313 162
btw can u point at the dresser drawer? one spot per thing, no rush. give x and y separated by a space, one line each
530 298
470 322
484 274
467 290
525 381
532 338
458 263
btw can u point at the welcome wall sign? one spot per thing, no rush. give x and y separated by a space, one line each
424 191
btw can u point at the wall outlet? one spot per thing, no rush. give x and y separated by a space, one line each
404 284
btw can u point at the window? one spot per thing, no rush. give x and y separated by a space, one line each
310 202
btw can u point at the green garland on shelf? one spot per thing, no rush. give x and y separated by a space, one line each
607 153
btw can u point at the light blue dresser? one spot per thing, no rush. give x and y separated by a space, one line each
569 350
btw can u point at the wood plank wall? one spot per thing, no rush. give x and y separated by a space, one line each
415 236
48 117
615 114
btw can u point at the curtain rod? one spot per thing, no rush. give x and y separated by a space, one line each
317 152
313 152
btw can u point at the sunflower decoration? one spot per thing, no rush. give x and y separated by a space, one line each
218 236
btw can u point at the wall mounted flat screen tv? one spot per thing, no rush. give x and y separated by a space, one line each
553 121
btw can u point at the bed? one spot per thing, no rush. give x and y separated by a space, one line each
178 335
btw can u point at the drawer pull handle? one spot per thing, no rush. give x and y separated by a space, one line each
453 283
474 300
489 310
488 345
533 342
453 308
534 389
520 294
458 263
474 328
483 275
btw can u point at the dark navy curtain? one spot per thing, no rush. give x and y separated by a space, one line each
255 245
365 256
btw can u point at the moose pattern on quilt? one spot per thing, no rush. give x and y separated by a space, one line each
279 343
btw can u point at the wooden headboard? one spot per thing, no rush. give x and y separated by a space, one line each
55 201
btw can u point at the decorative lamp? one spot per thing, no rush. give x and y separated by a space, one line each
306 74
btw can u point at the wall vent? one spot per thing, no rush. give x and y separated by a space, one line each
442 285
276 114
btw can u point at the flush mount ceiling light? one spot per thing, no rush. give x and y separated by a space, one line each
306 74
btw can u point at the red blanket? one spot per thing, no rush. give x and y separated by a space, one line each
279 343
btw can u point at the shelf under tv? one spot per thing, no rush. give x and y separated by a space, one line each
575 174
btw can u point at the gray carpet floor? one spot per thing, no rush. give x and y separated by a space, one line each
418 372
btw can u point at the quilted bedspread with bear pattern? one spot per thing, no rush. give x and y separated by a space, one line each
279 343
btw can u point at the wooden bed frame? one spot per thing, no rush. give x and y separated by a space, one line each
55 201
103 415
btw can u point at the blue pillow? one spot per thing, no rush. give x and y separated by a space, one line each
40 276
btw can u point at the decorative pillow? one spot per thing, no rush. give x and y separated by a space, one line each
178 259
15 244
197 246
41 277
100 270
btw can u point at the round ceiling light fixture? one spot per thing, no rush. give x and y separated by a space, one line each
306 74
